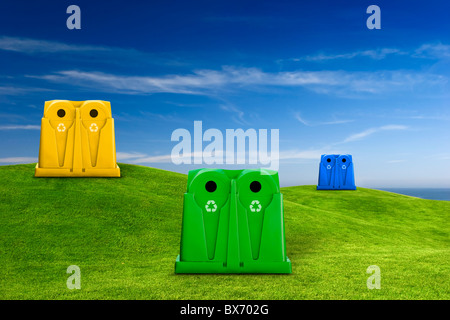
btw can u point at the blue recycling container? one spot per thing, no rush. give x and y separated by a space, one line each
336 172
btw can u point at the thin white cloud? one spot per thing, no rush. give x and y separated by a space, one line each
238 114
153 159
104 54
121 156
132 84
138 157
210 81
334 122
428 50
306 154
442 117
12 160
438 156
435 50
15 91
240 157
377 54
299 118
164 117
31 46
20 127
371 131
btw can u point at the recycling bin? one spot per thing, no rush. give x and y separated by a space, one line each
77 140
345 172
336 172
233 222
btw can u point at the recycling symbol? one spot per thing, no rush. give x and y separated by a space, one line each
344 167
93 127
328 167
61 127
211 206
255 206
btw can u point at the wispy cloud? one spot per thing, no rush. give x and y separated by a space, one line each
12 160
20 127
167 158
122 156
206 82
435 50
31 46
16 90
109 54
238 115
443 117
377 54
299 118
438 156
139 158
312 154
364 134
135 84
428 50
164 117
333 122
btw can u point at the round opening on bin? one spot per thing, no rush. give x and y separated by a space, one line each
93 113
61 113
344 160
210 186
328 160
255 186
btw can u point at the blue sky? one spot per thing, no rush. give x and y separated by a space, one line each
311 69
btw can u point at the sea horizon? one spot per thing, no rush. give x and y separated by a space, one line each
423 193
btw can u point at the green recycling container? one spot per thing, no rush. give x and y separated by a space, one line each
233 222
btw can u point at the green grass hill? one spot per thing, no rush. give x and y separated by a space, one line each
124 235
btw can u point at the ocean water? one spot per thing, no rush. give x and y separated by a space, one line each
424 193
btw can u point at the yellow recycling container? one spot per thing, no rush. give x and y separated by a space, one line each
77 140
